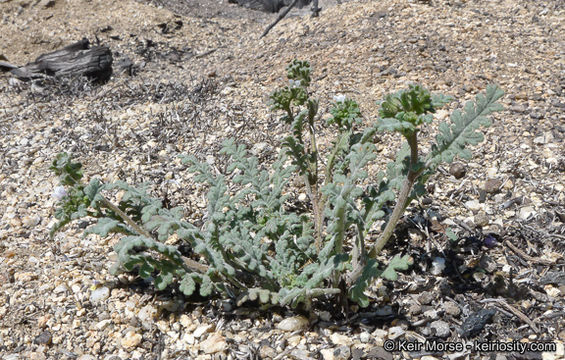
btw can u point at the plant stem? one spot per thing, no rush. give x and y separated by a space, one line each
189 264
313 179
403 197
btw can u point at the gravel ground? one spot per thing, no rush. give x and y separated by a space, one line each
201 74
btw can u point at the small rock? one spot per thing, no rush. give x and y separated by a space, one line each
293 323
415 309
24 276
185 321
100 294
458 170
475 322
364 337
426 298
383 311
379 352
340 339
492 186
146 315
340 353
44 338
441 328
293 341
379 336
259 148
267 352
300 354
131 340
325 315
490 241
47 3
552 291
481 219
491 172
214 343
102 324
112 357
473 205
526 212
438 265
431 314
488 264
42 321
451 308
188 338
201 330
87 357
395 332
31 221
36 355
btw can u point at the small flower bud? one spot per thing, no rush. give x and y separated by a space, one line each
339 98
59 193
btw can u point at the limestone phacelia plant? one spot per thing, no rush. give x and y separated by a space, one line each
252 245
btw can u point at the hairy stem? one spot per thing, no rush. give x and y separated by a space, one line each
189 264
403 197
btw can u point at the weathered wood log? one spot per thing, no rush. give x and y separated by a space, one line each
72 60
272 6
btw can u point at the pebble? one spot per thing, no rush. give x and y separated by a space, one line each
87 357
481 219
103 324
492 186
457 170
431 314
526 212
31 221
340 339
214 343
293 341
438 265
267 352
300 354
185 321
451 308
552 291
379 336
201 330
131 340
44 338
364 337
147 315
441 328
488 264
293 323
426 298
99 295
415 309
340 353
395 332
473 205
325 315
